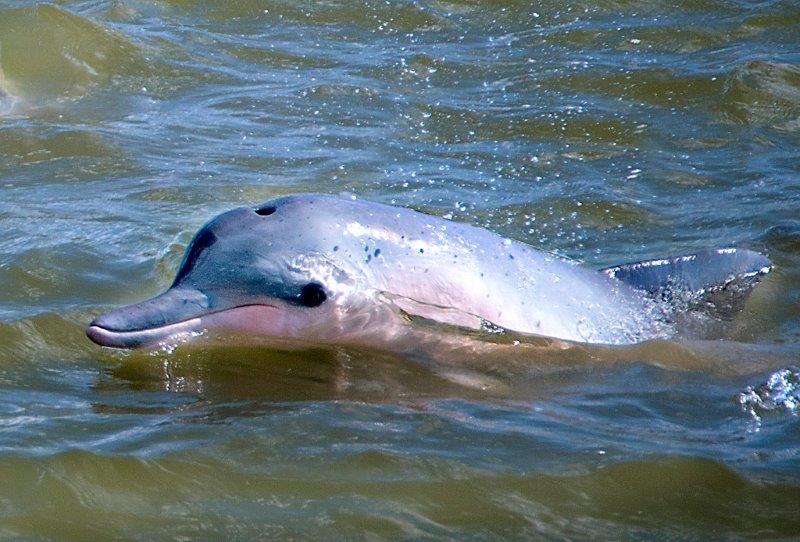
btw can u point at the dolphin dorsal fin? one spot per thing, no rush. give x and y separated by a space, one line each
694 275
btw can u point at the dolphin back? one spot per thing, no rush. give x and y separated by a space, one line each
695 276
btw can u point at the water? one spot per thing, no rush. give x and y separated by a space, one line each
606 131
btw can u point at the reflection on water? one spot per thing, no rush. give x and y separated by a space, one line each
604 131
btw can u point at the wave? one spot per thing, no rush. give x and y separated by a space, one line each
47 51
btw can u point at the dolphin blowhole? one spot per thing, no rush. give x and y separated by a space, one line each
265 210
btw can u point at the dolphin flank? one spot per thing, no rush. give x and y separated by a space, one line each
337 270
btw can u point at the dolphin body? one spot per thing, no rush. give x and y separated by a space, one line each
336 270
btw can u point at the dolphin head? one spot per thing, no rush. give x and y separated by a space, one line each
274 270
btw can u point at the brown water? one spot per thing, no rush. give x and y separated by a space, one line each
606 131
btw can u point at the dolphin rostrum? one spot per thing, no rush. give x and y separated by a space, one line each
336 270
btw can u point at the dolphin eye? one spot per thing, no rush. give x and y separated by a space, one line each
312 295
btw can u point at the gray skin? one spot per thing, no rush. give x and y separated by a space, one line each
337 270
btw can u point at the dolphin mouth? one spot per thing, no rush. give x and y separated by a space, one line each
175 314
233 318
142 337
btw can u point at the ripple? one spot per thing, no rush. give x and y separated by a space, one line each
565 222
66 276
780 17
274 57
41 337
212 498
764 93
84 150
655 86
457 125
376 15
784 237
665 38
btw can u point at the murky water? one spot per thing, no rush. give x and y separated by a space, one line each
606 131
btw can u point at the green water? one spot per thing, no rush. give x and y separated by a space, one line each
605 131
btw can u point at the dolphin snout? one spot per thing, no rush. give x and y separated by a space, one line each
173 306
149 321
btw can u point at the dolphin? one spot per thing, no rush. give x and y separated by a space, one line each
343 271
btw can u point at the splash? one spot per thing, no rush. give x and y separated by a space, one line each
781 392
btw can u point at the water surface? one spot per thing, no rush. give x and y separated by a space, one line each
605 131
